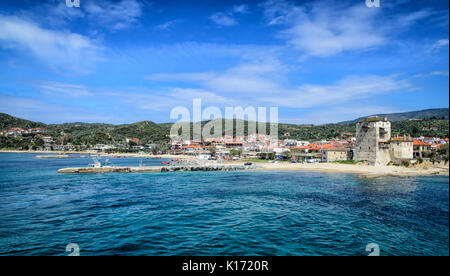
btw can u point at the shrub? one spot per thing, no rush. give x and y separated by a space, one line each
405 163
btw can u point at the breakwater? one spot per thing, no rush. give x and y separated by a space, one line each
184 168
52 156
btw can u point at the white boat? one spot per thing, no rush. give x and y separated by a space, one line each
96 164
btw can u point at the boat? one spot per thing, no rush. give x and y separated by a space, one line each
165 163
96 164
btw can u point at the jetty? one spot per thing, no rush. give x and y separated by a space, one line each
59 156
141 169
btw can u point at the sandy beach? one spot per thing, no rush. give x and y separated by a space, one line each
365 171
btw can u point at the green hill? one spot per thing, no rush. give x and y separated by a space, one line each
435 113
8 122
149 132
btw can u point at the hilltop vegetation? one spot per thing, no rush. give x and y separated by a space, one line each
91 134
8 122
434 113
151 133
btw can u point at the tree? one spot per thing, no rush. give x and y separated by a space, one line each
287 155
235 152
38 143
160 149
213 149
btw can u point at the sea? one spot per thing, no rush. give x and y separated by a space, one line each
215 213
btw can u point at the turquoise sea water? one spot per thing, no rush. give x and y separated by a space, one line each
216 213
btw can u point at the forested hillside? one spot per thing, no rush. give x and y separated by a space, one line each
149 132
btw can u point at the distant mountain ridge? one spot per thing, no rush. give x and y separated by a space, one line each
7 121
437 113
148 132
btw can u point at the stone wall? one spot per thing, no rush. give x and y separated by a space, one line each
401 150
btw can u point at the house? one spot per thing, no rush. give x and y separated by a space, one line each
15 131
334 154
37 130
47 139
421 149
132 140
233 144
204 156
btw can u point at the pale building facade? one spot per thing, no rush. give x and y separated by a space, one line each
331 155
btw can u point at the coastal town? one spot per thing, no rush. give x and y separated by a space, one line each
371 143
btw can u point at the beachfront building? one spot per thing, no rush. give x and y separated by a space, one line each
334 154
374 143
421 149
401 148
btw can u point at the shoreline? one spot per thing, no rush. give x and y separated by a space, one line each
363 171
142 155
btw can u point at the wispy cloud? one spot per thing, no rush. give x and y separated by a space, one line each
245 78
348 89
223 19
264 83
167 25
434 73
441 43
61 50
325 28
52 14
65 89
227 18
240 9
114 15
99 14
166 98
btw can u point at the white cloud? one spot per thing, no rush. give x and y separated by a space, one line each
59 88
434 73
240 9
114 15
223 19
167 25
325 28
244 78
278 11
163 99
61 50
265 83
441 43
52 14
348 89
227 18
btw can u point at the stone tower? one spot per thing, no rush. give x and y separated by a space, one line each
373 141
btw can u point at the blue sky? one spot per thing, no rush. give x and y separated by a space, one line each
132 60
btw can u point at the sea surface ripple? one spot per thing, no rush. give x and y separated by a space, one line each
216 213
